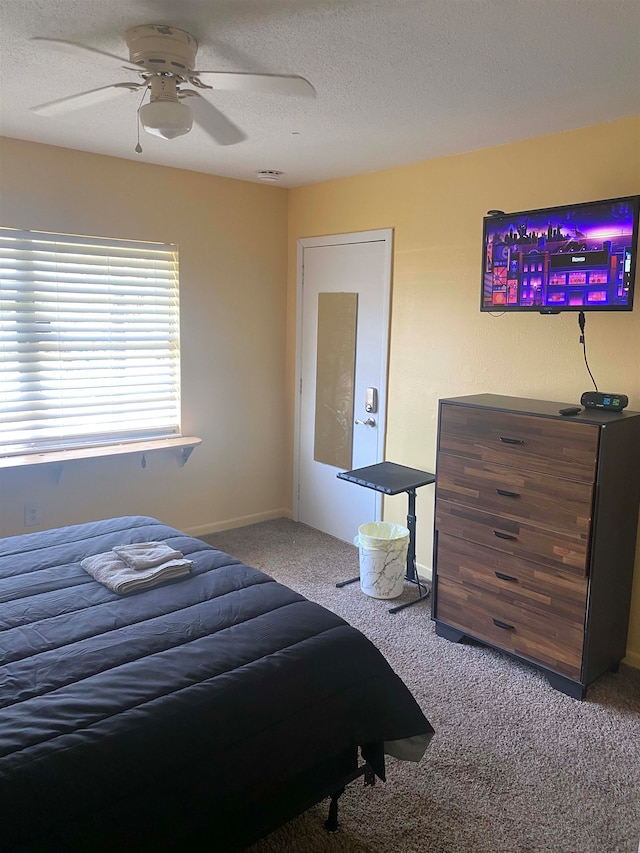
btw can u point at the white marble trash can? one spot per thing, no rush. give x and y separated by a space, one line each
382 547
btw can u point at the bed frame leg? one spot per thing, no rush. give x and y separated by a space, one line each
369 775
366 770
331 823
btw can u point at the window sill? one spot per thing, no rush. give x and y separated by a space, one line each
184 444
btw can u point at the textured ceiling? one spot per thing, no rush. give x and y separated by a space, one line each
397 81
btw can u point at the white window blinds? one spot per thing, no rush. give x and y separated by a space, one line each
89 341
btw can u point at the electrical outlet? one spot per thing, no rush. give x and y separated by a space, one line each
32 515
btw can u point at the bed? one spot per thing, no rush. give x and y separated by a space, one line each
205 711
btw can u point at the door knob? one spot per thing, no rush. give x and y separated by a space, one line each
369 422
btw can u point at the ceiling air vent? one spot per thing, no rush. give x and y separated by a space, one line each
270 176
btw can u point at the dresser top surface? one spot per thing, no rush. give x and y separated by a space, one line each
545 408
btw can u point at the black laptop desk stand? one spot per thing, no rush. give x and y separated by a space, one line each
392 479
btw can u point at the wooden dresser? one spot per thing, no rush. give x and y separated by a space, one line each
535 529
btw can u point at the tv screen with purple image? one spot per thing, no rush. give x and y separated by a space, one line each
579 257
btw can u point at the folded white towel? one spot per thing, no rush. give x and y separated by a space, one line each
116 575
146 555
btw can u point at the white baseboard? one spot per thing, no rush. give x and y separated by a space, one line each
425 573
231 523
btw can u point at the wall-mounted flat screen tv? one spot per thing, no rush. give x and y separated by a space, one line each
577 257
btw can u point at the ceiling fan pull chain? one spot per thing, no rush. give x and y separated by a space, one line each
138 148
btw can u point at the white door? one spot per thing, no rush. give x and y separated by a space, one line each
357 264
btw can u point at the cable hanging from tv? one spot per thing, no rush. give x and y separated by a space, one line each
581 323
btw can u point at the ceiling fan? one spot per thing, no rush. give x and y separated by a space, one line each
164 58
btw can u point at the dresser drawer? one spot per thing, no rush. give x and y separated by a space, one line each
565 550
554 593
547 445
549 641
541 499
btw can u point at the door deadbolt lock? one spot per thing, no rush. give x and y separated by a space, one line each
370 422
371 401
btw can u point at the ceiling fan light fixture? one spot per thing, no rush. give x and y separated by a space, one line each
167 119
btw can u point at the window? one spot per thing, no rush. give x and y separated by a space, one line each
89 341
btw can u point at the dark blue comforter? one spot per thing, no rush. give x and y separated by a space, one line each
198 700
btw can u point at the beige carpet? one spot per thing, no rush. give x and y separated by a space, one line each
514 765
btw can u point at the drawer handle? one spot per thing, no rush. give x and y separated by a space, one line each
499 624
501 535
507 440
507 494
504 577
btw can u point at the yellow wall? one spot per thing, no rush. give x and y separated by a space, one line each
238 314
232 238
441 345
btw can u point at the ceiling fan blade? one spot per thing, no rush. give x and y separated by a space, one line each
211 120
65 46
276 84
62 106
